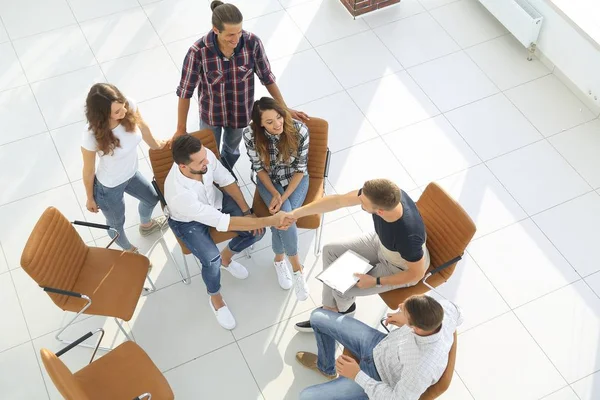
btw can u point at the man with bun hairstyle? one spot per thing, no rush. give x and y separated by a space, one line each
222 65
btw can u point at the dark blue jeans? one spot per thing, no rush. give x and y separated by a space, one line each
196 237
357 337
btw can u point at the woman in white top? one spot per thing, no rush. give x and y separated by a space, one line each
115 128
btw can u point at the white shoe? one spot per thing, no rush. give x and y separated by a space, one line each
224 316
283 274
300 286
236 269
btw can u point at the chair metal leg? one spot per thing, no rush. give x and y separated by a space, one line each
247 252
186 279
319 236
89 346
151 289
118 321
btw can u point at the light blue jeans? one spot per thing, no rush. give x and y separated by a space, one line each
196 237
231 143
112 204
354 335
285 241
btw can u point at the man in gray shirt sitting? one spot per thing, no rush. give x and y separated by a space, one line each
399 366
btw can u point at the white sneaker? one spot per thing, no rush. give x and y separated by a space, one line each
224 316
236 269
300 286
283 274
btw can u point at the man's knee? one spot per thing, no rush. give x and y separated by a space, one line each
307 394
320 317
211 263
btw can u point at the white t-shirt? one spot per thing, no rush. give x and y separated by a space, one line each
116 168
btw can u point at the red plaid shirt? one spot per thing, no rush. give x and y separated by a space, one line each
225 87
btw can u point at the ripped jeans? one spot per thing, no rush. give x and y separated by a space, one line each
196 237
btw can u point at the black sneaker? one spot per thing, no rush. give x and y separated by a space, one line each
305 326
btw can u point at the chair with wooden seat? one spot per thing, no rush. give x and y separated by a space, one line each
449 230
162 161
318 169
80 278
123 373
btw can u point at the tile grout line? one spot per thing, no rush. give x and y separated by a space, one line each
248 366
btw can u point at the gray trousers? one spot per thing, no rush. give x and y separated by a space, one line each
368 246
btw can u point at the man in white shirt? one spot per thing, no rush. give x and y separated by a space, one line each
397 366
196 205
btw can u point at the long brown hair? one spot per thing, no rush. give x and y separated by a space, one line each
97 111
225 13
288 140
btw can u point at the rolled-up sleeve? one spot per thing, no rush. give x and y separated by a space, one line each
302 158
251 150
190 73
221 175
262 67
187 205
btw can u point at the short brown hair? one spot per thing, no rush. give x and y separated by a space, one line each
183 147
383 193
225 13
424 312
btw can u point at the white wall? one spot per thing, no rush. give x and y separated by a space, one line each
570 52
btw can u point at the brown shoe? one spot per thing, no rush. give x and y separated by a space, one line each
309 360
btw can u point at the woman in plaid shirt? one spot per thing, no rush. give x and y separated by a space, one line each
278 149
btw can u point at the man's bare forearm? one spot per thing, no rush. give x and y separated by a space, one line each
323 205
250 223
234 191
183 106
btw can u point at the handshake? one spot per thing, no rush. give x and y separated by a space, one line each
282 220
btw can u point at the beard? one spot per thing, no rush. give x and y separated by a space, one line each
198 172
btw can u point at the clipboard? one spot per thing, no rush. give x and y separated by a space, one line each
340 274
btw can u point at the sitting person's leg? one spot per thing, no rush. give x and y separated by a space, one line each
196 238
241 242
366 245
288 239
283 276
337 389
359 338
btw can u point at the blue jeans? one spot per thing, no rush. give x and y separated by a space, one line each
285 241
112 204
357 337
196 237
231 143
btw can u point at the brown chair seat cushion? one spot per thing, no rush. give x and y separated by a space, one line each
123 373
315 192
113 280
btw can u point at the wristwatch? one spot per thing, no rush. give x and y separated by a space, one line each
248 212
378 282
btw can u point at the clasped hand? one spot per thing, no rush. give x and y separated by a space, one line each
283 220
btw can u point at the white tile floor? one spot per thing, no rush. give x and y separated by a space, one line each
424 90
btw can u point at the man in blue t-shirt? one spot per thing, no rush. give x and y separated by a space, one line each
396 249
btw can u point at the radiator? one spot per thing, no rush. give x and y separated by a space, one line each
519 17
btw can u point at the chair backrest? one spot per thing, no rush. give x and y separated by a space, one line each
162 159
317 146
449 229
437 389
62 377
54 254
